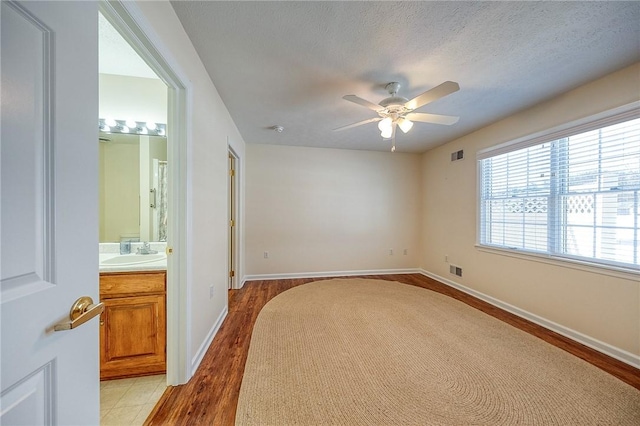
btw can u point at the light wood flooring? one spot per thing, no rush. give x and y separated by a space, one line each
211 396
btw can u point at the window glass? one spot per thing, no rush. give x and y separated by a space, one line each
575 197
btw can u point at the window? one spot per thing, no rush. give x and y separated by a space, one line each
572 194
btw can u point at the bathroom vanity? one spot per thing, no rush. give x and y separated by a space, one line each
133 324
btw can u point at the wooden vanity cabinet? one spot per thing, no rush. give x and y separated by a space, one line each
133 324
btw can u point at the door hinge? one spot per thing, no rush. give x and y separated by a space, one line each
169 250
232 172
232 223
232 274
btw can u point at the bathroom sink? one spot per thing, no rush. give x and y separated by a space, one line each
133 259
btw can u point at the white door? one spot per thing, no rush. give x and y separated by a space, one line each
49 211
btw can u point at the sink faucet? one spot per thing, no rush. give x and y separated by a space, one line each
146 249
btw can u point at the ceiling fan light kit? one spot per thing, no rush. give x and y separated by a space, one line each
385 124
397 111
405 124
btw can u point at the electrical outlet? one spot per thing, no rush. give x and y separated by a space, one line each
211 291
266 255
390 252
405 252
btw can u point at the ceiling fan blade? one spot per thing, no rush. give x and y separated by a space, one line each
365 103
432 118
436 93
359 123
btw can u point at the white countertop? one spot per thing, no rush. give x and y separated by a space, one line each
158 265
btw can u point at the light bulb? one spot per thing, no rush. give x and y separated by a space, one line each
161 132
110 122
405 125
386 133
151 125
124 129
142 130
385 124
131 123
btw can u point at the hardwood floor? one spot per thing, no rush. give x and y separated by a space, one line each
212 394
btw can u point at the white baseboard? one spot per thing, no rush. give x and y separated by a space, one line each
328 274
202 350
605 348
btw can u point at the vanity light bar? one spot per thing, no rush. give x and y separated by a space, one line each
108 125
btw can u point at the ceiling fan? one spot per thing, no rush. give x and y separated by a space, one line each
397 111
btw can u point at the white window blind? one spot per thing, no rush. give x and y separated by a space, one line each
577 196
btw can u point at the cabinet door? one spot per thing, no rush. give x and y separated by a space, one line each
132 336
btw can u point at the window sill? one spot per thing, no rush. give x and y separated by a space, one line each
612 271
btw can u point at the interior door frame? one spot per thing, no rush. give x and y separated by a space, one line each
129 21
234 206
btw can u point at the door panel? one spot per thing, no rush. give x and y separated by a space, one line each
26 162
48 211
28 402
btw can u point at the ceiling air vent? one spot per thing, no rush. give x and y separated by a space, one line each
458 155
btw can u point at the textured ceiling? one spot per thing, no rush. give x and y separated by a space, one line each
116 56
290 63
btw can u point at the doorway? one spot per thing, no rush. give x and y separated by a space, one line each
233 221
121 15
133 147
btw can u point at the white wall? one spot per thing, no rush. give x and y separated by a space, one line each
602 307
209 128
324 210
140 99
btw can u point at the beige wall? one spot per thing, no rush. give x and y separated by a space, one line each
211 130
327 210
602 307
120 190
125 178
125 97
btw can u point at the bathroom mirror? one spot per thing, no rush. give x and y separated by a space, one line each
133 187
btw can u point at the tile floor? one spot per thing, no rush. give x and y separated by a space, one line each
128 402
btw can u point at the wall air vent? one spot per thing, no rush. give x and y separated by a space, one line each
458 155
455 270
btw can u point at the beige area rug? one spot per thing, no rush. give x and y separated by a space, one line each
359 351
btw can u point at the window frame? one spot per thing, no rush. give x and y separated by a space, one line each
610 117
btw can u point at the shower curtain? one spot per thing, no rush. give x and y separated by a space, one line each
160 222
